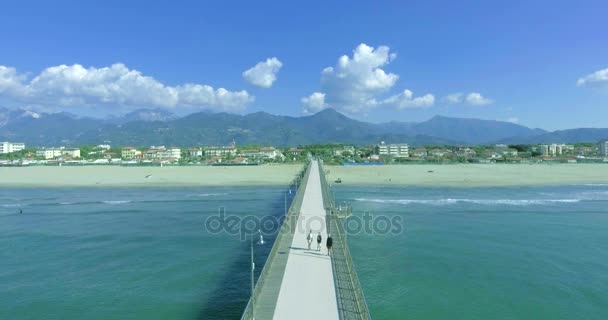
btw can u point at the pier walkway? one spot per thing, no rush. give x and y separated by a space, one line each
308 290
298 283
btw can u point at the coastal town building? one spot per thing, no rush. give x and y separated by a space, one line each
295 151
420 152
130 153
162 153
345 149
10 147
550 150
395 150
173 152
544 150
220 151
51 153
195 152
439 153
262 153
466 152
603 147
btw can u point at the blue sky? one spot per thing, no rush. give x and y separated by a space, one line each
515 61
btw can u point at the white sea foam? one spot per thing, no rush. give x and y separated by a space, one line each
12 205
449 201
210 194
116 201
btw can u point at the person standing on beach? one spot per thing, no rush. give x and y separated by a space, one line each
309 238
319 240
329 243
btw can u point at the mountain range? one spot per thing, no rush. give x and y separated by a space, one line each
159 127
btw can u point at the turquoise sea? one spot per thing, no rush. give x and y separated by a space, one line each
463 253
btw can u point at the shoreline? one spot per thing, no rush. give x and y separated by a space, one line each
168 176
471 175
440 175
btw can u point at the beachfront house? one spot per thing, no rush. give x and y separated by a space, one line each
10 147
395 150
171 153
440 153
295 151
420 152
220 151
51 153
130 153
163 154
195 152
262 153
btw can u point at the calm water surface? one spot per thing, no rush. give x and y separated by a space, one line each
476 253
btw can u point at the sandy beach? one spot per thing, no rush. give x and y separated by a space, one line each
72 176
471 175
457 175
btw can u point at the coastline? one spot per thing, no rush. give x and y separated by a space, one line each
449 175
168 176
471 175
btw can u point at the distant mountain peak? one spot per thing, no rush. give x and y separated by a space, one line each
147 115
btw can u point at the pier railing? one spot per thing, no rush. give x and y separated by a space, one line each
261 305
349 294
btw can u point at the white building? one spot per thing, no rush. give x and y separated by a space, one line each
551 150
420 152
50 153
129 153
396 150
195 152
604 147
10 147
171 153
220 151
263 153
162 153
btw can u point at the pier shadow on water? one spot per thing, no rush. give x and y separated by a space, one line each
230 297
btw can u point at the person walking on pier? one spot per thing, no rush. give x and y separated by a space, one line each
329 243
319 240
309 238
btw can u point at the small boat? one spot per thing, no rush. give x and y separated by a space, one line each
338 180
430 171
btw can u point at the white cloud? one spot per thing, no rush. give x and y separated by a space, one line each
117 85
314 103
454 98
10 81
513 120
356 84
476 99
473 99
406 100
599 77
264 73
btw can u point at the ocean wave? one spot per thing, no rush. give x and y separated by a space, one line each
449 201
13 205
116 201
209 194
